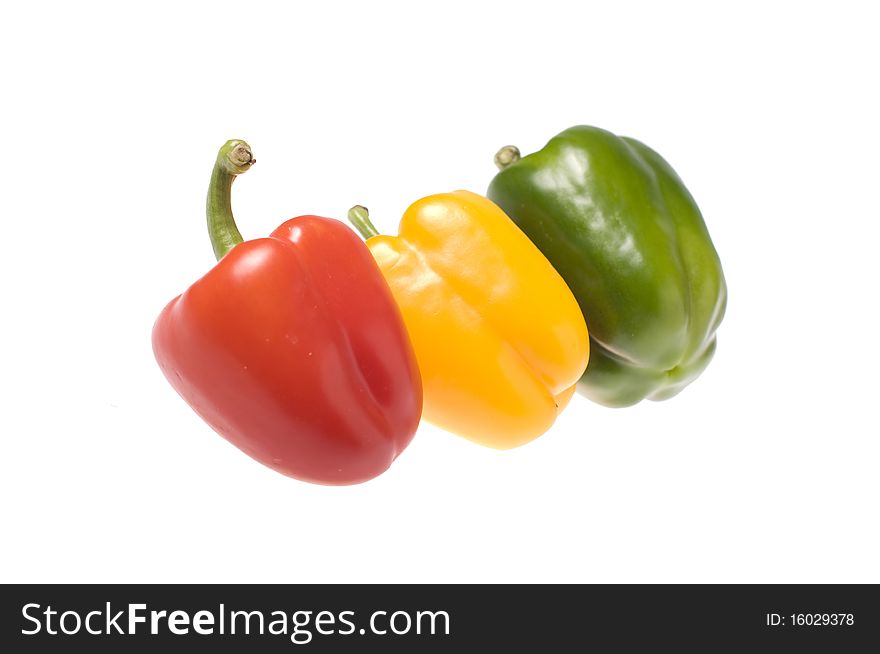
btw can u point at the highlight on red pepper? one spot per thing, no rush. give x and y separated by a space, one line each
292 347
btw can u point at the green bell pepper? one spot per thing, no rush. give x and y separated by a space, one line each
623 231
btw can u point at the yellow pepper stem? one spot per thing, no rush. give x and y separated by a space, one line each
359 216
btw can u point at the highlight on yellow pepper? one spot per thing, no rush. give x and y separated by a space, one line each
499 338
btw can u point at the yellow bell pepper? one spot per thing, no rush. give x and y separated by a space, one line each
499 338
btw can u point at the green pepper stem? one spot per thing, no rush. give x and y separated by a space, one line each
234 158
360 217
506 156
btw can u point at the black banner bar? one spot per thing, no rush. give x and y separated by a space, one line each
436 618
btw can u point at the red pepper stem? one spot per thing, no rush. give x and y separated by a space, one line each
506 156
234 158
360 217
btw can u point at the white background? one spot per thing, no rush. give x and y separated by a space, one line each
764 470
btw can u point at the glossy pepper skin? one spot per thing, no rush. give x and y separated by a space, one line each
291 347
621 228
499 338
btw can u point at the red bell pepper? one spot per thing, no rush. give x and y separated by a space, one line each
292 347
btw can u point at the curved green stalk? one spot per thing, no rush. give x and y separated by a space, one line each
234 158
